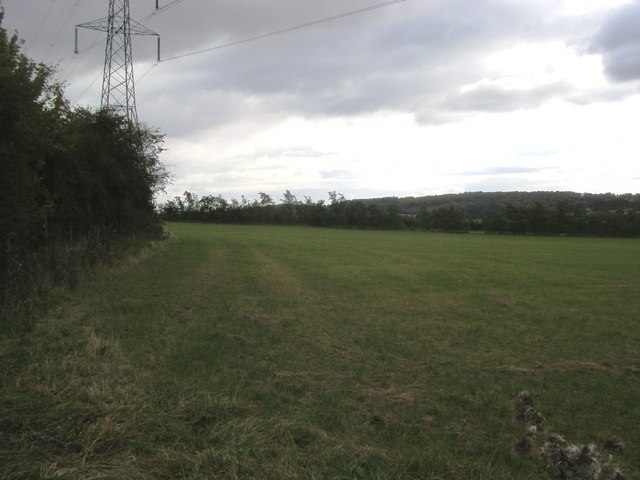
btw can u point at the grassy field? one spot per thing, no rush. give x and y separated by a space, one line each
274 353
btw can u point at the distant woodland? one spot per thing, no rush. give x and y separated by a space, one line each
530 213
73 182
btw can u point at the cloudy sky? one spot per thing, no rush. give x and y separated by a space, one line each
416 97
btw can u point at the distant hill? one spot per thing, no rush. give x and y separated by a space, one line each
478 204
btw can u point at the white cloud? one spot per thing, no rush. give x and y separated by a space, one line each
528 65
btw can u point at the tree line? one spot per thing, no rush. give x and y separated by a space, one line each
477 204
531 218
72 181
338 212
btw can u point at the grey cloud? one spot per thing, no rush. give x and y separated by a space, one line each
619 43
494 98
623 63
411 57
408 57
511 170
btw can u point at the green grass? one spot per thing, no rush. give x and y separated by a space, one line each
273 353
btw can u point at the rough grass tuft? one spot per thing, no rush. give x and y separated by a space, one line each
563 460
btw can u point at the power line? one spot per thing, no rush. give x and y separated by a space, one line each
43 21
285 30
93 82
70 68
84 92
71 62
63 25
142 77
77 58
161 10
246 40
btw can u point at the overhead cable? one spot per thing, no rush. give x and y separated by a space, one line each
161 10
285 30
43 22
84 92
56 38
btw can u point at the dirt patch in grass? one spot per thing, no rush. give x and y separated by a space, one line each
267 320
520 369
579 365
569 365
504 300
405 394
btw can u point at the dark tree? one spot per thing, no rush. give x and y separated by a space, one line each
67 177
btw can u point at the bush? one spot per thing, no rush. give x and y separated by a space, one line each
71 181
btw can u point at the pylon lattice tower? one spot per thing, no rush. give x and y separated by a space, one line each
118 86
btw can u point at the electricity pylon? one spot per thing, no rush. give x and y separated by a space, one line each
118 88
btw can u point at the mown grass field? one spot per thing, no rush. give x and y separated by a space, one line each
274 353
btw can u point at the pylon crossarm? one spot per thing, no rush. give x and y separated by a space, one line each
101 25
139 29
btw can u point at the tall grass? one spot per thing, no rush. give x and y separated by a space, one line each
263 352
30 278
